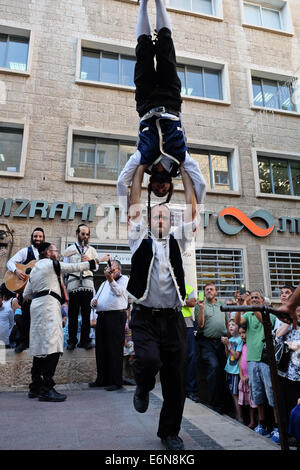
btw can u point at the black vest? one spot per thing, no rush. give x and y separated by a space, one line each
141 264
30 255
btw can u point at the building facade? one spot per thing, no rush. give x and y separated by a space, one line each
68 125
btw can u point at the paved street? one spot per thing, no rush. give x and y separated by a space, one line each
94 419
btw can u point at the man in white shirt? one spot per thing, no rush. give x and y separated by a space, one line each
110 303
24 256
6 320
158 327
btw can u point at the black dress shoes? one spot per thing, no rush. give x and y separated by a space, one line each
172 443
71 347
112 388
32 394
52 395
141 400
193 396
97 384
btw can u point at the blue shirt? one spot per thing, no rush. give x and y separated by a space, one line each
232 364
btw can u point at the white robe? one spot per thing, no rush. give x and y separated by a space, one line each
46 333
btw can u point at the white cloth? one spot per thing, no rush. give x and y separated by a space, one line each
190 166
46 332
162 290
6 321
20 257
112 295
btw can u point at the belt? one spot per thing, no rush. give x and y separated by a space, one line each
158 111
47 292
156 311
109 311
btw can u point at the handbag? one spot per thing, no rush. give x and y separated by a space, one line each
282 354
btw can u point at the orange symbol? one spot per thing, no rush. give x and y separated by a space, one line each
246 222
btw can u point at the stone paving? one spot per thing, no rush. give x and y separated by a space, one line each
94 419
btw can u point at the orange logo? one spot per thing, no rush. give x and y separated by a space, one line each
246 222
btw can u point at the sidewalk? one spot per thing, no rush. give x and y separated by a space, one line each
94 419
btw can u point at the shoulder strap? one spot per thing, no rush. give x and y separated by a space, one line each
57 269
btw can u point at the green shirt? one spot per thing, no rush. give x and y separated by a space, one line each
255 336
215 320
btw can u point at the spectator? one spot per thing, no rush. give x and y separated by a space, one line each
259 372
212 325
289 379
244 390
6 321
294 423
187 311
80 287
233 347
128 353
110 303
285 293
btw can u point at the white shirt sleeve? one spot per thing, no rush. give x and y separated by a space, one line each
125 179
19 257
184 234
192 168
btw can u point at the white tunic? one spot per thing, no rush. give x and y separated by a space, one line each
6 320
46 333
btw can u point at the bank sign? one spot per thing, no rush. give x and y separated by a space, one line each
24 208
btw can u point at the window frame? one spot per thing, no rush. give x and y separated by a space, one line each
24 127
199 62
272 75
203 70
282 6
101 45
272 154
217 9
97 134
24 33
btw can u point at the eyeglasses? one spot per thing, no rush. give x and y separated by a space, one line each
84 234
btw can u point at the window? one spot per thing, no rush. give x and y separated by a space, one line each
99 159
10 149
273 94
284 268
270 14
261 16
215 167
197 6
279 176
200 81
224 267
14 52
107 67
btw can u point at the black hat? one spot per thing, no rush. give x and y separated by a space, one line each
43 246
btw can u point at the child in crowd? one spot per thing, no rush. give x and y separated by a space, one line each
128 352
233 346
244 390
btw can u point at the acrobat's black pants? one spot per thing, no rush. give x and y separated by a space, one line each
158 86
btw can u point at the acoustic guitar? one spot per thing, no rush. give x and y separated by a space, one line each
13 283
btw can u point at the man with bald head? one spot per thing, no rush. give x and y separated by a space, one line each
158 287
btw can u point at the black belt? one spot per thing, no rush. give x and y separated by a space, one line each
156 311
109 311
42 293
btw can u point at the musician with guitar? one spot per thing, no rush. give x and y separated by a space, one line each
80 289
16 279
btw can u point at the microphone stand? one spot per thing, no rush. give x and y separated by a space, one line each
265 311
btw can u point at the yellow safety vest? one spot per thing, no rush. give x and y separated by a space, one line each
187 311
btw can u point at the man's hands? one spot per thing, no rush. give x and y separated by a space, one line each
20 275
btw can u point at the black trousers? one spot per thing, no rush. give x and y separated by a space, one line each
79 301
158 86
42 372
23 323
160 345
212 352
110 338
